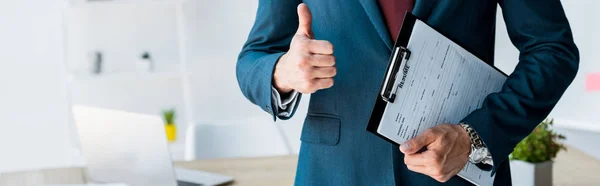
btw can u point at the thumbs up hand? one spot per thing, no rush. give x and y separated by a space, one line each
309 65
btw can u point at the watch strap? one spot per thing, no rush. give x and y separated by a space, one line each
475 139
477 145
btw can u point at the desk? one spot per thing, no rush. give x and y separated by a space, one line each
266 171
275 171
571 168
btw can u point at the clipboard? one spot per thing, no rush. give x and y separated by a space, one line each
400 54
394 79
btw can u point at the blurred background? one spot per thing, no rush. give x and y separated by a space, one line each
147 56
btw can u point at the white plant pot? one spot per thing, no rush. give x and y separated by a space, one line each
531 174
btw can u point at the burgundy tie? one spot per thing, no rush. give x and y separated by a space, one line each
393 11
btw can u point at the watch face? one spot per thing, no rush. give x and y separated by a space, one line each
478 155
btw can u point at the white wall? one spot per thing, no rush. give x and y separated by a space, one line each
122 32
577 108
34 128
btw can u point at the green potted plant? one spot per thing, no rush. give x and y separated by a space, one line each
170 128
531 160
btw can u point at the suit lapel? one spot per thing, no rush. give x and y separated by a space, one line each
421 10
372 9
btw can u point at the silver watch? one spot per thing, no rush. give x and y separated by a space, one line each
479 152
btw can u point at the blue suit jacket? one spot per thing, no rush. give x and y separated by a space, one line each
336 149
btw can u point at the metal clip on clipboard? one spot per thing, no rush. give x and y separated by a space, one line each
388 91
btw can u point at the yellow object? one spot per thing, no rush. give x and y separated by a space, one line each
171 130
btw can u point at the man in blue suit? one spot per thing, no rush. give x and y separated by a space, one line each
290 51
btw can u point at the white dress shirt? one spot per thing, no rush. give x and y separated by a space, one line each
286 104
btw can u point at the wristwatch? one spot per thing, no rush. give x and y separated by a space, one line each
480 155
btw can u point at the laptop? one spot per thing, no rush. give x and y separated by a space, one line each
130 148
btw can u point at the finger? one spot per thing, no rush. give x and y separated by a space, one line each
434 172
417 168
416 159
427 171
305 21
414 145
324 72
323 83
319 60
320 47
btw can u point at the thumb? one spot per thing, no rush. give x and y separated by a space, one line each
416 144
305 21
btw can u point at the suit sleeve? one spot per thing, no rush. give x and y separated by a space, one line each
548 63
270 37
